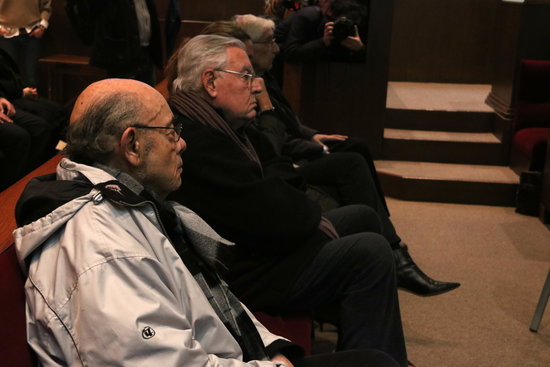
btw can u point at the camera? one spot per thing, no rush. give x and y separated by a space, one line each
343 27
290 4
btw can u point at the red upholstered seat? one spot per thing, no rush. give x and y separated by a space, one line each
531 116
13 344
297 328
532 144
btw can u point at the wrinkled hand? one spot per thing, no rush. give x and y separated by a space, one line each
4 118
7 107
322 138
262 98
38 32
282 359
353 43
327 34
29 92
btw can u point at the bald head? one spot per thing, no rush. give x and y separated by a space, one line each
103 89
103 111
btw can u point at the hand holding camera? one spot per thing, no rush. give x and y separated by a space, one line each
346 33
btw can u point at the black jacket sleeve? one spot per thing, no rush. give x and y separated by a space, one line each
244 202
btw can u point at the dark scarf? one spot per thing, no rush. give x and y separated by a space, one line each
197 108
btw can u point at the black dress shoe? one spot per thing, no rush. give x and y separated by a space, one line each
410 278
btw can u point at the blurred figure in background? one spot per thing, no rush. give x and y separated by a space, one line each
22 26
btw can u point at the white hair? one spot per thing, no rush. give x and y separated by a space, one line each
255 26
199 53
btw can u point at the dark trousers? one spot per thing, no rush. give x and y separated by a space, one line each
25 51
347 177
53 113
360 146
40 132
352 358
145 73
15 146
354 278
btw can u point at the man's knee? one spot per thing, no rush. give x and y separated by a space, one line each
372 251
355 218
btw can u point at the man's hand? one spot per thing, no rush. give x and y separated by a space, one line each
322 138
29 92
327 34
4 118
282 359
353 43
6 107
262 98
38 32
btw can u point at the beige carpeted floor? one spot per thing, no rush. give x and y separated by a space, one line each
501 258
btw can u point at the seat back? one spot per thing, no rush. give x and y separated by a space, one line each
298 328
532 103
14 347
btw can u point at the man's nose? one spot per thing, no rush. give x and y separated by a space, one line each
256 86
181 145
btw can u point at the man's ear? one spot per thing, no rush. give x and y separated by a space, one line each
208 79
130 147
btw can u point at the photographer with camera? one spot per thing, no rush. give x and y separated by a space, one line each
332 30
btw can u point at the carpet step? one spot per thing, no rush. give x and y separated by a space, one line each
460 121
444 147
448 183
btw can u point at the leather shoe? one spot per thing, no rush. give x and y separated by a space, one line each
410 278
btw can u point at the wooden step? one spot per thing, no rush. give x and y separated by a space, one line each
440 120
444 147
449 183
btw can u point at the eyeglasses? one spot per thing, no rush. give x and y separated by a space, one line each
175 132
247 77
270 42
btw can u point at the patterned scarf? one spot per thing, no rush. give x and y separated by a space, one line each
197 108
228 308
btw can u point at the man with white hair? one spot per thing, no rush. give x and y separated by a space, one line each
287 257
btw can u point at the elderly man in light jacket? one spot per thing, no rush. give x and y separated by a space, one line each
117 276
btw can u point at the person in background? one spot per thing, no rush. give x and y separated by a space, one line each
124 36
345 170
22 26
15 147
118 276
333 30
27 99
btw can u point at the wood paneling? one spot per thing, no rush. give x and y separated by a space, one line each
443 41
523 32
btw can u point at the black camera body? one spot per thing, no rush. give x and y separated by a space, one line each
343 27
290 4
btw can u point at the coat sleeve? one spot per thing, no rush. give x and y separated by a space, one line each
237 198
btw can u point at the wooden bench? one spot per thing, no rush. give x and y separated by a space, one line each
60 66
14 347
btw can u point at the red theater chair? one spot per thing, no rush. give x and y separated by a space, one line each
531 117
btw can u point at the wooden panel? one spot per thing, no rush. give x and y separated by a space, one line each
443 41
523 33
545 194
219 10
9 197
